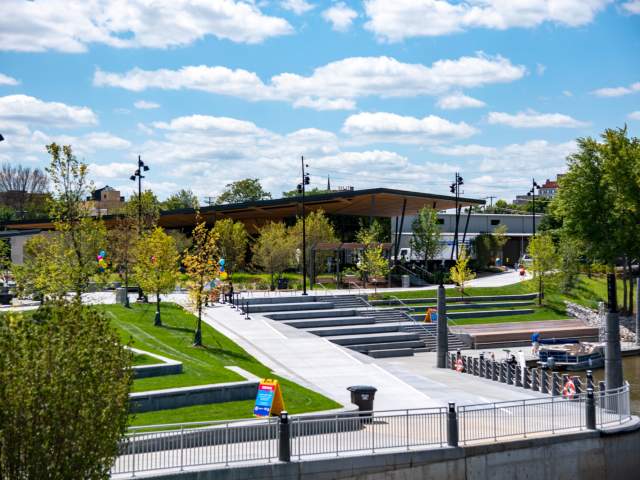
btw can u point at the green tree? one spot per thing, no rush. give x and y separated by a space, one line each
156 265
488 246
460 272
201 263
149 213
64 393
7 214
545 260
318 230
312 191
69 254
182 199
246 190
122 239
5 260
425 242
274 250
232 242
372 262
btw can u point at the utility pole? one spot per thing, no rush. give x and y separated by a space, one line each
301 189
490 198
209 201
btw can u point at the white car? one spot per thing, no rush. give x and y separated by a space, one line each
526 260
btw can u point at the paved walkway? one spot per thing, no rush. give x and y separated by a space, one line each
408 382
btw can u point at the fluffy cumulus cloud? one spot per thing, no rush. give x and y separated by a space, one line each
72 26
340 16
459 100
334 86
297 6
26 109
399 19
634 115
617 91
7 80
632 6
489 166
145 105
389 127
533 119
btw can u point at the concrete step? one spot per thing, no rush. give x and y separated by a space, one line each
353 330
309 314
288 307
365 347
330 322
400 352
373 338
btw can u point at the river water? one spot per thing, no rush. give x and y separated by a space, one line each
631 372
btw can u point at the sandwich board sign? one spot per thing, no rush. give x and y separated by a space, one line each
268 399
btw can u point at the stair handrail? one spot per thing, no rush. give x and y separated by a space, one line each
411 272
413 320
324 289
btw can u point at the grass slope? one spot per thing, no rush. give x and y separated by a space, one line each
200 365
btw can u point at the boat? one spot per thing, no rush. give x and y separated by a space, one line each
571 356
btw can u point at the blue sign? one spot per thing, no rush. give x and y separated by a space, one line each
264 400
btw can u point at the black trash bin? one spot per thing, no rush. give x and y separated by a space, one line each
363 396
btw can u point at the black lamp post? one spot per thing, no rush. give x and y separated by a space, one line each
138 175
301 189
455 188
532 194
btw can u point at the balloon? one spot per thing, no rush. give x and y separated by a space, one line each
221 268
223 275
103 253
221 262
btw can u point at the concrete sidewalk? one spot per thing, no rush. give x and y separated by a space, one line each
410 382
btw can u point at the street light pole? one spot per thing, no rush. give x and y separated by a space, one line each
138 175
532 192
455 188
302 188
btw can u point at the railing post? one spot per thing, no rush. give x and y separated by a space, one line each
503 372
133 468
544 387
526 377
590 406
452 426
518 376
555 380
476 367
181 448
509 379
284 447
535 384
495 371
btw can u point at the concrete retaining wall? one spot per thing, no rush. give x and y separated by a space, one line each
583 456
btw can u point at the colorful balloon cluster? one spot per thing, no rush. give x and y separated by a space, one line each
223 274
102 261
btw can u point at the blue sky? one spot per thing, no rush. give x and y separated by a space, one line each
377 93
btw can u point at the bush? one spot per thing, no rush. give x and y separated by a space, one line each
64 387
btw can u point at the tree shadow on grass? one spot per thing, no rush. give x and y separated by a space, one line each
178 329
227 353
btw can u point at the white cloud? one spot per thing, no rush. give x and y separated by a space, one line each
113 170
72 26
26 109
340 16
632 6
389 127
540 69
332 86
617 91
144 105
297 6
567 93
634 115
459 100
533 119
399 19
7 80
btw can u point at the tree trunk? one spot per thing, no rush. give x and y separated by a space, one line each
156 321
624 285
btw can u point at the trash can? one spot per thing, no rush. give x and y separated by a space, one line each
121 295
362 396
406 281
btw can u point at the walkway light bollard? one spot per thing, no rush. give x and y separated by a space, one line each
442 329
284 446
476 366
590 379
452 426
503 372
495 371
518 376
544 382
509 374
590 406
526 378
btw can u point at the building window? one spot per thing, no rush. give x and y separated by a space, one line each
495 221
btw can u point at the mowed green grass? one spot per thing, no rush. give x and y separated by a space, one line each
142 359
202 365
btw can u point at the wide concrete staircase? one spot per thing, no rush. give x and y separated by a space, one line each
350 321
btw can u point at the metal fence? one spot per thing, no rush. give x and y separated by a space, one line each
225 443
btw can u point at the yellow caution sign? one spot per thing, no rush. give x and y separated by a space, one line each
269 399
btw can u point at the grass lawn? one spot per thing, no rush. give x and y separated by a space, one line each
200 365
142 359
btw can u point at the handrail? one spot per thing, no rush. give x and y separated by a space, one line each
410 317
